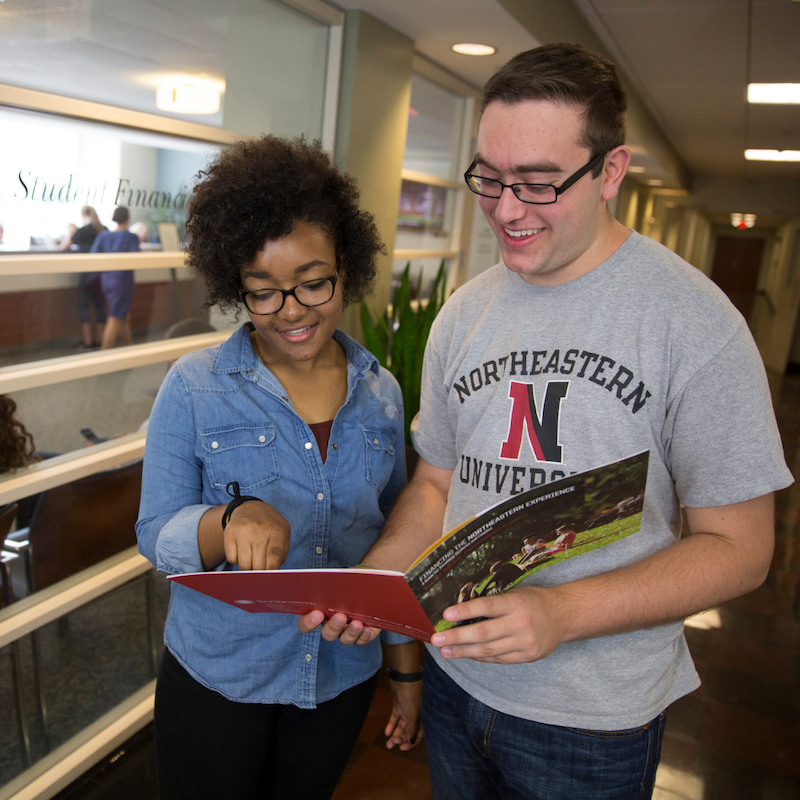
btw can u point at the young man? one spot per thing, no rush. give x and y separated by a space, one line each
588 344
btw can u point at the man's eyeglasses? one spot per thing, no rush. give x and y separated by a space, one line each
536 193
309 293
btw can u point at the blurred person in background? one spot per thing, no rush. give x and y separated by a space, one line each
118 285
91 307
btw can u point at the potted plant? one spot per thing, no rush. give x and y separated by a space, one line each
397 339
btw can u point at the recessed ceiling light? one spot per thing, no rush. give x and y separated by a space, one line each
772 155
188 96
655 182
773 93
637 170
473 49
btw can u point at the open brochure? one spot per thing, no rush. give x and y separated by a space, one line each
486 555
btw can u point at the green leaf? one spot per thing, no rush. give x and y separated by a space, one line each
376 335
399 339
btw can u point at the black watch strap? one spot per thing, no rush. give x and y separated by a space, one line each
238 499
404 677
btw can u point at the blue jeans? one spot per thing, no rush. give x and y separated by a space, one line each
477 753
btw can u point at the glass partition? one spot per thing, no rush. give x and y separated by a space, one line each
435 130
252 66
42 316
53 167
59 680
431 197
111 405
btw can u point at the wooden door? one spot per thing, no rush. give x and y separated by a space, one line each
735 269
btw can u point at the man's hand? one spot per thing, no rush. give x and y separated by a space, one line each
256 537
338 627
520 627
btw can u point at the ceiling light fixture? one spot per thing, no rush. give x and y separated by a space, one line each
188 96
636 170
473 49
773 93
772 155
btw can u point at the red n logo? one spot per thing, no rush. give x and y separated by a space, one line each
542 429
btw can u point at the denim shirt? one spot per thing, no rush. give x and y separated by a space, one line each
222 416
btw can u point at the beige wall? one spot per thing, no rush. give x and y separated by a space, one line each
371 130
776 313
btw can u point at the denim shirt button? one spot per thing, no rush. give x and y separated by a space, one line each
262 439
320 496
307 445
391 448
248 371
214 445
309 656
318 551
375 442
335 446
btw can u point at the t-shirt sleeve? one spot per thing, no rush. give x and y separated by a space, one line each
721 439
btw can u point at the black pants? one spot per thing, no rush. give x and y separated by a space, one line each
210 747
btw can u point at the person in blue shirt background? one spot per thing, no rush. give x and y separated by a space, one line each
310 427
118 285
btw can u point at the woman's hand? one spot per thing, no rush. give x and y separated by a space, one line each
405 724
256 537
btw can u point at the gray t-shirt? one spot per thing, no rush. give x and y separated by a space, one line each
525 384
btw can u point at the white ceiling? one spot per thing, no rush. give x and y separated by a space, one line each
688 60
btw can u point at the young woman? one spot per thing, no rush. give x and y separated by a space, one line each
309 426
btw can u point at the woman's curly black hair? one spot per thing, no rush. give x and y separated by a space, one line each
16 443
254 192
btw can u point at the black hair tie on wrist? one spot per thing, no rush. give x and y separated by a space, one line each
404 677
238 499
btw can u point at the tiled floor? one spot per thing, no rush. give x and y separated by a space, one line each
735 738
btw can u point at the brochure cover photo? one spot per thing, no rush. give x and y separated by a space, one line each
488 554
509 541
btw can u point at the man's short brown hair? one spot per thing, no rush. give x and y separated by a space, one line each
571 74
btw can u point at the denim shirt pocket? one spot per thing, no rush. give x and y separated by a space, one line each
244 453
380 456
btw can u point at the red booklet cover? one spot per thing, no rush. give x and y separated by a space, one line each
378 598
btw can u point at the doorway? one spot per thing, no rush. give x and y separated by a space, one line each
735 268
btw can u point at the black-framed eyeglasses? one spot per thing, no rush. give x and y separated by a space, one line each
311 293
536 193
